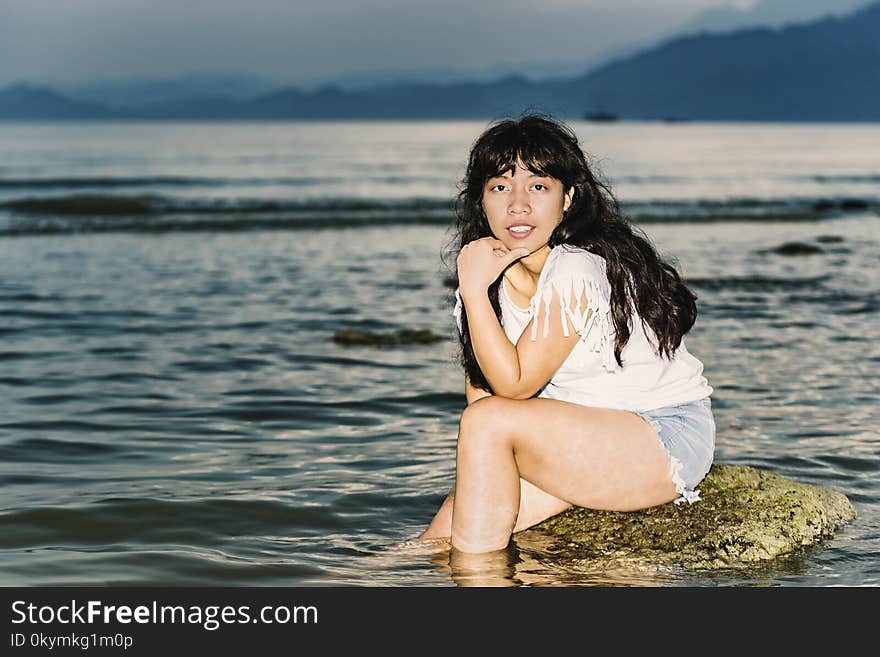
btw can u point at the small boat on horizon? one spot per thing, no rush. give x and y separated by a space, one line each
601 115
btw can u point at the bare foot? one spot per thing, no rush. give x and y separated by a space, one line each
422 546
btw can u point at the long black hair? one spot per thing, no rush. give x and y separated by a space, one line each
639 278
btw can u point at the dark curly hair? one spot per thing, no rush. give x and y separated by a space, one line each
638 277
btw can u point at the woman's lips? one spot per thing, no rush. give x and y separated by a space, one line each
520 231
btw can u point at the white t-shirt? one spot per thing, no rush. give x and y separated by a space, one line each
590 374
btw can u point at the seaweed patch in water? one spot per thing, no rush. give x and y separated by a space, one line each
400 337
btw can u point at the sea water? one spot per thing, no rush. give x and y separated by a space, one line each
175 409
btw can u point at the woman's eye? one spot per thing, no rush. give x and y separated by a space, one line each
495 187
540 185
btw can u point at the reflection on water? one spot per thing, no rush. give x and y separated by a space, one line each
519 566
496 569
536 558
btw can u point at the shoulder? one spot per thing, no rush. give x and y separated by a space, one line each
566 262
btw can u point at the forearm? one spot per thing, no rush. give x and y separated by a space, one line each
495 354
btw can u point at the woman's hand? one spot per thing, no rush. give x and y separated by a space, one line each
481 262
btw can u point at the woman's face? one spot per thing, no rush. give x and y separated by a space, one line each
523 209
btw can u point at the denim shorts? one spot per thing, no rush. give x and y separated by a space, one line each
687 432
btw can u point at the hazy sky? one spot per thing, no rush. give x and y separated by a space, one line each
302 41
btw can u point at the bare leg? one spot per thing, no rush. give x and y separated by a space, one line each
593 457
535 505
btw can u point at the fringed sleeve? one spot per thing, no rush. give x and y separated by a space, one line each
573 275
456 312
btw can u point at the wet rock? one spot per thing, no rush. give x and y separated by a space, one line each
746 516
830 239
847 205
853 204
796 248
373 338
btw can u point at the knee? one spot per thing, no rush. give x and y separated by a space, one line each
484 413
484 420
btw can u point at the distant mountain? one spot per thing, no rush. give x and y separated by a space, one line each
362 81
138 92
394 101
26 101
768 13
825 70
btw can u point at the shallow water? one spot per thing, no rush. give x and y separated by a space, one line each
175 410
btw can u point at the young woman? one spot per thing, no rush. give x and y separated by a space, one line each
579 387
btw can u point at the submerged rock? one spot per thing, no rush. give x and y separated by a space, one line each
796 248
853 204
746 516
847 204
400 337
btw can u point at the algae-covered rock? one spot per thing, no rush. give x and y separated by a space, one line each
745 516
